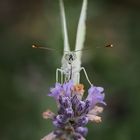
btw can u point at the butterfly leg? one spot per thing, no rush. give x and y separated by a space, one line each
78 77
82 68
62 76
57 70
57 75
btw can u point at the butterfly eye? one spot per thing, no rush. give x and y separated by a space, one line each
67 57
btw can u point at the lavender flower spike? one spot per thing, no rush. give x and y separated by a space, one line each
74 113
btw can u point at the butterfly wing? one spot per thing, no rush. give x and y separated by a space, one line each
64 26
81 30
80 38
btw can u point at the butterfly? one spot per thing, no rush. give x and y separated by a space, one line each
71 60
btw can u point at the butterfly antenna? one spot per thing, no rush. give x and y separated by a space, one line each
107 46
44 48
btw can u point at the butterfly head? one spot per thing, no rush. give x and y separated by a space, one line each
70 57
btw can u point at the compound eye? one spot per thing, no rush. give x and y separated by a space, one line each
71 57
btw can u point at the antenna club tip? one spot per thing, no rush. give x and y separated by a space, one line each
109 46
33 46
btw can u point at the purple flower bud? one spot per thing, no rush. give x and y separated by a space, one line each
80 106
67 87
61 110
56 91
82 121
95 95
64 101
86 108
57 124
61 118
69 112
75 101
82 130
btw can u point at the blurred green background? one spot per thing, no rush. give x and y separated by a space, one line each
26 74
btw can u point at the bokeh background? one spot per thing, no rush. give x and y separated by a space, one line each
26 74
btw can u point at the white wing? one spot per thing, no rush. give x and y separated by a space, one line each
64 26
81 30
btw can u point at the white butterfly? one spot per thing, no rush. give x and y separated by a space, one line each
71 60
